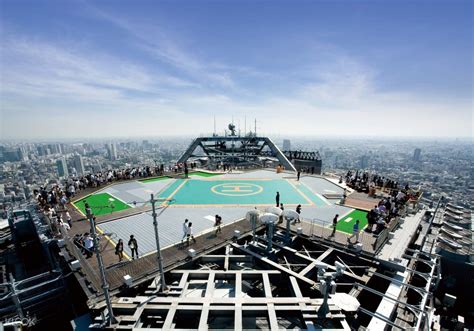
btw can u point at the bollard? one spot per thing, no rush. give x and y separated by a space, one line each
75 265
128 280
191 252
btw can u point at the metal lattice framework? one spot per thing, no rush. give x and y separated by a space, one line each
236 151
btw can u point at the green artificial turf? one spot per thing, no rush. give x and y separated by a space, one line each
345 224
154 179
100 204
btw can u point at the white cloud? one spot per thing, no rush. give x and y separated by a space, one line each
52 90
32 68
162 45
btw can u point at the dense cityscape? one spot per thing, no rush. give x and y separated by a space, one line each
439 167
236 165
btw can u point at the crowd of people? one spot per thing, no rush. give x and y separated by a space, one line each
53 203
85 243
363 181
75 183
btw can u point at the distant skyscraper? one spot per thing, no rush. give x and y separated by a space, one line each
112 151
364 161
286 144
12 155
23 153
417 155
62 167
79 164
41 150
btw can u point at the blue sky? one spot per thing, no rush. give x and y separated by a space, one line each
151 68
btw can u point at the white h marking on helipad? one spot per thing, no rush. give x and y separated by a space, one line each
347 220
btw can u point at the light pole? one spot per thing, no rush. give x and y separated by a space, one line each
157 239
105 286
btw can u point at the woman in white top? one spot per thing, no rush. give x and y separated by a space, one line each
190 233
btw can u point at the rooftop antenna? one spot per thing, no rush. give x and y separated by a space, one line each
239 126
215 125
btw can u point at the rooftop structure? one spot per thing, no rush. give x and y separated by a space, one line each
254 274
269 267
235 150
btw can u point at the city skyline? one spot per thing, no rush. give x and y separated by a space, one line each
141 69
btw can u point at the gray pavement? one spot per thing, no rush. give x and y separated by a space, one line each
169 225
136 191
321 185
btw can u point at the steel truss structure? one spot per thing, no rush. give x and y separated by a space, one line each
235 150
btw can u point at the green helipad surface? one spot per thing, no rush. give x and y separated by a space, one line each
346 223
100 204
238 192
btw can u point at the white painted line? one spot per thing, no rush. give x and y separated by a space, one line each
330 191
114 197
347 220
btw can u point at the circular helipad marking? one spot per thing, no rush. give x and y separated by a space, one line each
237 189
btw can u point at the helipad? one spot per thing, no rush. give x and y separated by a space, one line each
242 192
200 197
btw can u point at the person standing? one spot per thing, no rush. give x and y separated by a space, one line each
281 218
88 245
119 250
298 210
190 234
133 245
64 226
69 219
277 198
355 232
298 175
217 224
185 230
334 225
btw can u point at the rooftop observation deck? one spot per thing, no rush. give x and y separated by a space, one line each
317 195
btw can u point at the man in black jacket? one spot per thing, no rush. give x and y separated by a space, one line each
132 243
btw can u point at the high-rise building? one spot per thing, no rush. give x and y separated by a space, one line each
41 150
23 153
417 155
12 155
364 161
78 164
62 167
286 144
112 151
